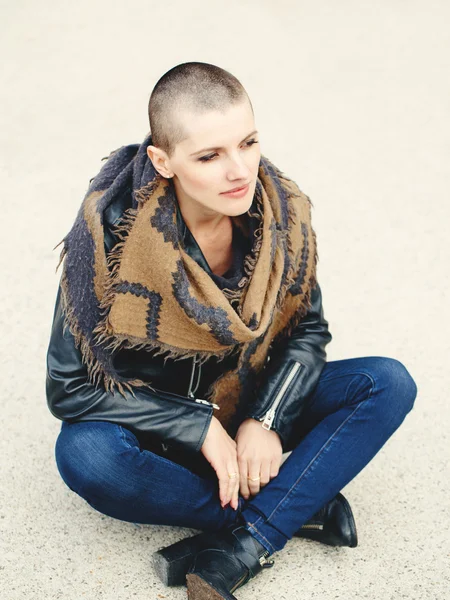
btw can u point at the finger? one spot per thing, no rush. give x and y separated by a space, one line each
235 498
224 480
274 468
243 472
234 481
254 473
232 469
253 484
265 472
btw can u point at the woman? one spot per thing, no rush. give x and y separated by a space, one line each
187 352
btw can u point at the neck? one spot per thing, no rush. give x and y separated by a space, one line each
201 223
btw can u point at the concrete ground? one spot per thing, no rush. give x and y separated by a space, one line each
352 102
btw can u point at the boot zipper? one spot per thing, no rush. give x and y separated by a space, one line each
191 391
263 561
270 414
312 526
238 583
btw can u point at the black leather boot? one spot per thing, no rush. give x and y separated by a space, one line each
232 558
333 525
172 562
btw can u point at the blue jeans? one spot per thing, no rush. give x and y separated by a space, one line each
356 406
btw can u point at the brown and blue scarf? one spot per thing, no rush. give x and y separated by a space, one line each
148 293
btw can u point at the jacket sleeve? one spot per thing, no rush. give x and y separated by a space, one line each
71 397
293 371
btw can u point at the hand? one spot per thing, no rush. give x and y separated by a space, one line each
219 449
259 453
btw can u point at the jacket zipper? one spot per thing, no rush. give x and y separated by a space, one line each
269 417
191 392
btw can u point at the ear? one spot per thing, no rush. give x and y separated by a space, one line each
159 160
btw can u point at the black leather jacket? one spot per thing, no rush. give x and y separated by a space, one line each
176 413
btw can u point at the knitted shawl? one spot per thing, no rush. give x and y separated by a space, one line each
148 293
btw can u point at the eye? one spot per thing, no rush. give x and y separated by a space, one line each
207 158
211 156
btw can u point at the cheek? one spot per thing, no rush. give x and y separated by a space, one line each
201 181
256 162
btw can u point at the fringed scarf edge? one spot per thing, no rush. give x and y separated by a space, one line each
96 372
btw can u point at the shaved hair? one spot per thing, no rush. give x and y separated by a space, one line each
193 86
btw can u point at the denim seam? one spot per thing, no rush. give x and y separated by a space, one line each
252 525
312 461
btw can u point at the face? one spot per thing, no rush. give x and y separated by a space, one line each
221 152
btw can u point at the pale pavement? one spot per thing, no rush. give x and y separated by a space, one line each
352 101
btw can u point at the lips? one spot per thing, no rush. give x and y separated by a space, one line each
237 189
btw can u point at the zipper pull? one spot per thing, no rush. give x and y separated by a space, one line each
265 562
268 419
206 402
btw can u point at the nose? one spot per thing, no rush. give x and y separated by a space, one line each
238 169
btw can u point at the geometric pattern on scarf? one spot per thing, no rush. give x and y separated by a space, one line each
148 293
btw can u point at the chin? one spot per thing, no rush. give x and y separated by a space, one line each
238 206
239 209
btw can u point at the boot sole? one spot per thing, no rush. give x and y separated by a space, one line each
199 589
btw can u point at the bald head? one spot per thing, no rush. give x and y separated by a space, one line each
192 87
